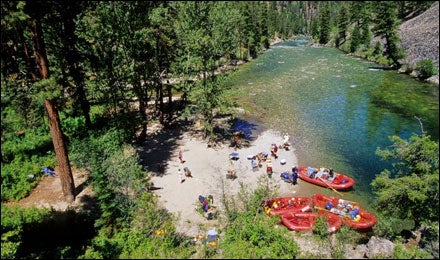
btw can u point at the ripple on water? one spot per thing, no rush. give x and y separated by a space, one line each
330 118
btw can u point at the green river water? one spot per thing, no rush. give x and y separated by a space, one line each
337 109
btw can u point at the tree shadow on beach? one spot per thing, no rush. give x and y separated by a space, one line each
157 149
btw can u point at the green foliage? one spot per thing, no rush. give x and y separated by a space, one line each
430 238
324 24
411 188
255 236
26 143
390 227
365 37
140 240
355 40
386 25
347 235
377 49
321 227
74 126
426 68
13 220
343 22
250 233
16 182
409 251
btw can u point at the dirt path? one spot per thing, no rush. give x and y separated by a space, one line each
48 193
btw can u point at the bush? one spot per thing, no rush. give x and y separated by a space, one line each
13 221
254 236
410 252
16 180
321 227
426 69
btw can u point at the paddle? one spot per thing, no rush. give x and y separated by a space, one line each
330 186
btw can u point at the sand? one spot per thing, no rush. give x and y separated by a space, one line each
209 166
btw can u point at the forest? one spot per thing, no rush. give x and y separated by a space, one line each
84 80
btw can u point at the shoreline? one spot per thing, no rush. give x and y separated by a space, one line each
209 167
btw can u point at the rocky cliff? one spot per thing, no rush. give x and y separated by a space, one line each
419 37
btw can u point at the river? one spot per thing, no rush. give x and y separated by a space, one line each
337 109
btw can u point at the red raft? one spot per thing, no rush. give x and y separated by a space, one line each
306 221
321 177
282 205
350 212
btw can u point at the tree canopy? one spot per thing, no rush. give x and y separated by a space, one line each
411 188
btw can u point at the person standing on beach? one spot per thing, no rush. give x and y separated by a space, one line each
286 141
181 156
180 175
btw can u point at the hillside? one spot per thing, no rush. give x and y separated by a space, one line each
420 37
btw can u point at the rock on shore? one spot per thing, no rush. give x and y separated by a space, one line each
420 37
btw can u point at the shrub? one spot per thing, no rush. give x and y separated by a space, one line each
426 68
13 221
16 180
254 236
321 227
409 251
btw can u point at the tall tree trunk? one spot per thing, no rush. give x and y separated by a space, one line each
65 173
161 106
170 103
143 103
70 11
56 132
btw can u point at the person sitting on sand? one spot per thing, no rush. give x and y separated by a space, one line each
274 151
187 172
235 140
231 174
260 158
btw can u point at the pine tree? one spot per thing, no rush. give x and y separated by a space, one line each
386 25
324 24
39 46
355 39
343 21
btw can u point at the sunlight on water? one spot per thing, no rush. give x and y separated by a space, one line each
321 97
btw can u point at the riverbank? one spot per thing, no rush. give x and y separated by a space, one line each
209 167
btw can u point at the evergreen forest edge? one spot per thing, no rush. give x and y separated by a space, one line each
105 55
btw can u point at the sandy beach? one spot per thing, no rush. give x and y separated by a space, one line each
209 166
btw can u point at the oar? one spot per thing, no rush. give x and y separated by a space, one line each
331 186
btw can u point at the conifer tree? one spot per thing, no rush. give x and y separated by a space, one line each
386 25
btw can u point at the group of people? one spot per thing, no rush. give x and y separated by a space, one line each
291 177
185 169
208 206
256 161
321 173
